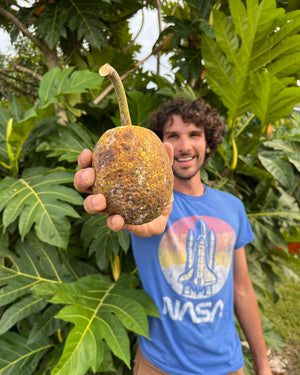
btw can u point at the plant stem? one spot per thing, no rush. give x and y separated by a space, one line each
223 183
244 126
107 70
234 155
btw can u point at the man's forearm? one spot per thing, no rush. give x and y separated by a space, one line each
247 312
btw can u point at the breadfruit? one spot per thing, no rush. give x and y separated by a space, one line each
133 169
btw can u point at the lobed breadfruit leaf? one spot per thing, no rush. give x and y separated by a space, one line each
31 263
19 357
46 324
15 313
38 198
69 142
59 82
100 310
79 16
254 53
96 235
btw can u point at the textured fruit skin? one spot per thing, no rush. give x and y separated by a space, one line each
133 171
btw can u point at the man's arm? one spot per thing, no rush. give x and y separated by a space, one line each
247 312
96 203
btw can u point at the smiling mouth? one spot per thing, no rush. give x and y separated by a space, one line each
185 159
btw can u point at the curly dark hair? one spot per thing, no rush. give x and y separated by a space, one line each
197 112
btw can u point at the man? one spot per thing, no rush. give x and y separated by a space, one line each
191 259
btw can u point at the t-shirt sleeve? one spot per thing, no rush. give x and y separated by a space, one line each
245 234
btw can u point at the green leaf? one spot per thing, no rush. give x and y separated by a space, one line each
50 24
20 310
80 81
68 143
288 203
84 348
38 198
14 133
272 99
96 235
4 118
62 82
31 263
89 26
99 309
264 233
226 36
45 325
280 169
82 17
273 48
254 49
285 207
295 159
286 65
19 357
259 174
189 62
220 75
124 240
140 105
283 145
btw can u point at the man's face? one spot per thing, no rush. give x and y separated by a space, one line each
189 147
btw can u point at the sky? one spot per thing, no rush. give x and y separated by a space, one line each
147 38
4 42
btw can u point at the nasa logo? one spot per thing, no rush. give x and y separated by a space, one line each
195 255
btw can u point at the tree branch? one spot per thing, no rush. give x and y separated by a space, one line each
158 4
77 45
23 69
155 50
125 75
24 30
5 71
18 89
19 68
129 15
162 43
137 34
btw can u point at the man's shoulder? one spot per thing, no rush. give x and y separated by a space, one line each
224 196
218 198
223 193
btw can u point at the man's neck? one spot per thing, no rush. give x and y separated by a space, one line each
193 186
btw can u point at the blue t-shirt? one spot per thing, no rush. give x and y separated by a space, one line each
188 271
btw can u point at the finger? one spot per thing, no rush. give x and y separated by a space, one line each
95 204
84 180
115 223
170 150
85 158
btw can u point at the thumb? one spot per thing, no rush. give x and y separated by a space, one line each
170 150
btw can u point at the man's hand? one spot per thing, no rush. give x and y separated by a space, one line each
96 203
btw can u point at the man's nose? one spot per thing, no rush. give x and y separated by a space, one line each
185 144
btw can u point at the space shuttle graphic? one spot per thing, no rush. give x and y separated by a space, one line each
199 276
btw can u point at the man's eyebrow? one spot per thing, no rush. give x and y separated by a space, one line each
198 130
168 132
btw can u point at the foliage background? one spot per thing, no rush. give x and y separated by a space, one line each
71 301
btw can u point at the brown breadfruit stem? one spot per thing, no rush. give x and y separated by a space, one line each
107 70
